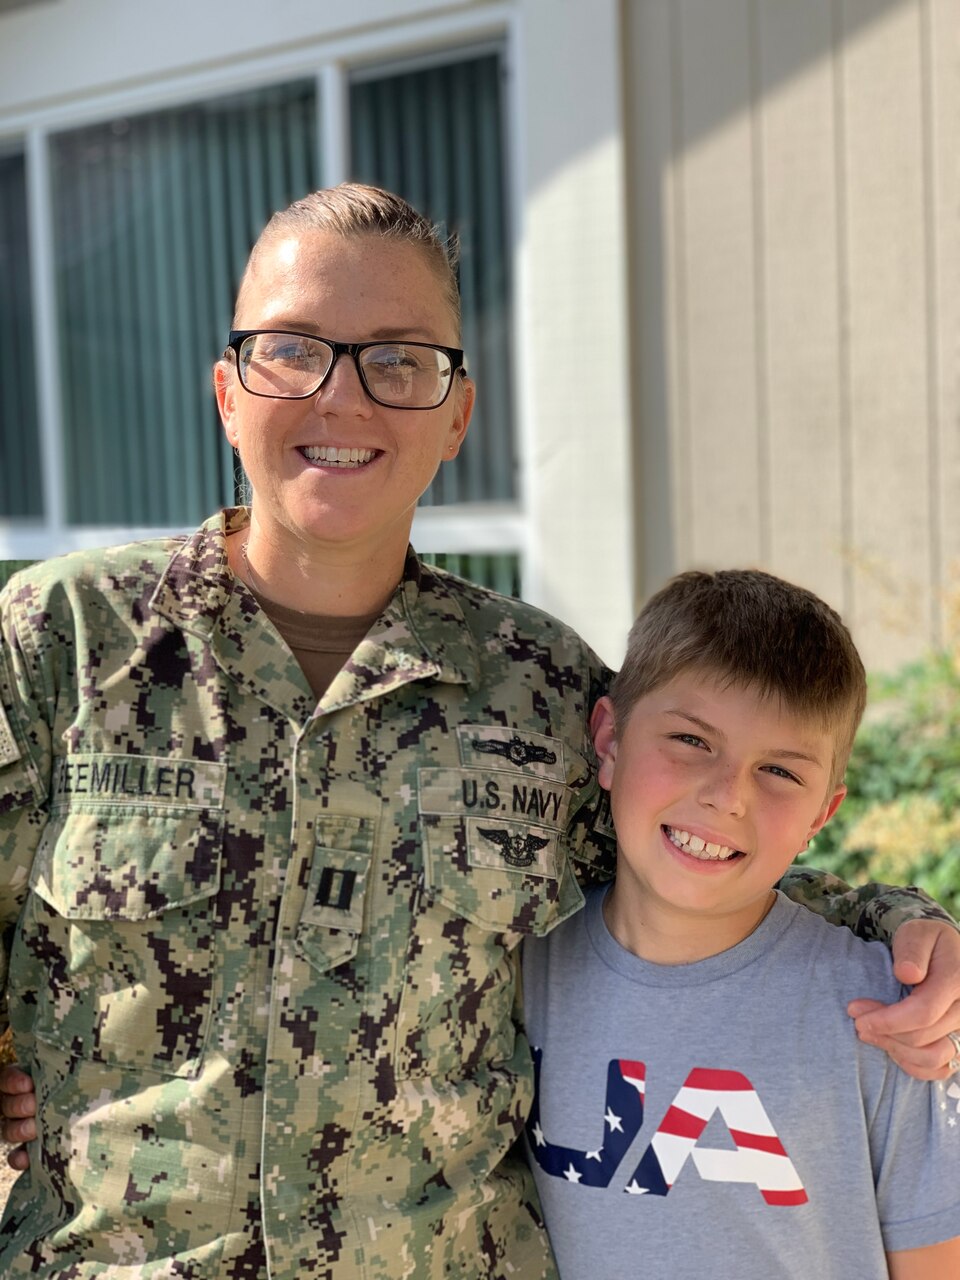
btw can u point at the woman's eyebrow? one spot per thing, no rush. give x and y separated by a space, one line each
391 334
408 331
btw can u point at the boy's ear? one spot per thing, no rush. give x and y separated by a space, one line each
603 727
828 810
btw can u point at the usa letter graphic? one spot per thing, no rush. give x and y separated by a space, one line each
621 1124
759 1158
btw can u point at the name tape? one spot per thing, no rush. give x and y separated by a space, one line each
139 780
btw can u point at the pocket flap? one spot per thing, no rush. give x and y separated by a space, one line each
125 863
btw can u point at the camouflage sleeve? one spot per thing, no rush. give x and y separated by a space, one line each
24 747
592 834
871 911
595 844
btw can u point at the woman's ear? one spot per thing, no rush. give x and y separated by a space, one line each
603 727
466 393
225 389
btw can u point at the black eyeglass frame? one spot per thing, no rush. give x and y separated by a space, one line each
237 337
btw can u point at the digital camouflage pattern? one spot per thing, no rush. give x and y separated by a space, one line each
264 975
265 958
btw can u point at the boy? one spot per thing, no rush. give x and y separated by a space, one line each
703 1104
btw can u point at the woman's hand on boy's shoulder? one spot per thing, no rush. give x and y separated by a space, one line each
914 1032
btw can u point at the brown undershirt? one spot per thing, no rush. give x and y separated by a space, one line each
319 643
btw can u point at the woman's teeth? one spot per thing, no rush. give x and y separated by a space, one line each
698 848
332 457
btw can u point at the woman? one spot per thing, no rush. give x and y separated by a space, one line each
278 801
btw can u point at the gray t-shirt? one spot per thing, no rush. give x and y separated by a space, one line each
721 1118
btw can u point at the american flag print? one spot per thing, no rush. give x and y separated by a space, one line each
759 1156
626 1084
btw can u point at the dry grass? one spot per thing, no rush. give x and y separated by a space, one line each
6 1048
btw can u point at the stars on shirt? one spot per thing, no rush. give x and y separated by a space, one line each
614 1121
950 1102
632 1189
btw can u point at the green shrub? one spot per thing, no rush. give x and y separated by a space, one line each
900 822
9 567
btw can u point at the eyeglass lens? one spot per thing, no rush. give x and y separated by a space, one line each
285 365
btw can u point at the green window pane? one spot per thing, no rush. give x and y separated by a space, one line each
154 217
20 477
434 135
500 572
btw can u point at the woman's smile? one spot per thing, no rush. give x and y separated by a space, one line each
334 457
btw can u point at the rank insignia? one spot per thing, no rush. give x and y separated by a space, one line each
518 851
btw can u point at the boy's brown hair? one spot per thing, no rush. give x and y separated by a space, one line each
749 628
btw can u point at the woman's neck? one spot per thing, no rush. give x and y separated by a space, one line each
330 582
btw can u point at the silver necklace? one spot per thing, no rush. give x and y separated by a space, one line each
249 577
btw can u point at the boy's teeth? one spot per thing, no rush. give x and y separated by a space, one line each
697 848
337 457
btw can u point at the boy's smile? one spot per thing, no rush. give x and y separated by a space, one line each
699 848
714 790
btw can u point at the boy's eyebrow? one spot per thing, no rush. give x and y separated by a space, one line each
782 753
779 753
701 724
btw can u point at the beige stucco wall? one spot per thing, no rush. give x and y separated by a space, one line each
796 243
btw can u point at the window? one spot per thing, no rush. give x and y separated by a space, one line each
20 474
500 572
152 216
434 135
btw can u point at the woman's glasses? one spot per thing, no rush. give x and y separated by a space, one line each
293 366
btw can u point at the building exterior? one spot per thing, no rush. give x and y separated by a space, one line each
710 253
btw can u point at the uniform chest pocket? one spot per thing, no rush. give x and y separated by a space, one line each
496 868
494 848
120 924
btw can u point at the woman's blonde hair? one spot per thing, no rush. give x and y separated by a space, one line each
354 209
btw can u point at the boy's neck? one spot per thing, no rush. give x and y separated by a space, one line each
667 935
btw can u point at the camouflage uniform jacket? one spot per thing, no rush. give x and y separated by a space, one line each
263 954
264 972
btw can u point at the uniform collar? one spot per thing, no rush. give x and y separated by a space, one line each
197 584
199 593
421 634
